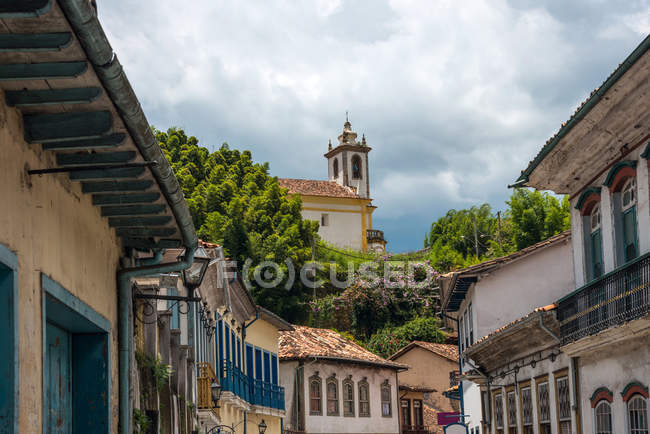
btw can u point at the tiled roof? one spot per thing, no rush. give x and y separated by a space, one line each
317 188
447 351
309 343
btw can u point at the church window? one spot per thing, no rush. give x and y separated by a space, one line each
335 168
356 167
324 219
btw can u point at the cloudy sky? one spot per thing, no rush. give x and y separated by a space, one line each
455 97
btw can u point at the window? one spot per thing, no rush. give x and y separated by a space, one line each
315 408
356 167
324 219
637 412
498 412
470 324
335 168
386 410
603 418
461 334
364 399
563 404
9 339
512 412
332 396
348 397
526 410
418 419
628 209
405 405
543 408
595 244
466 331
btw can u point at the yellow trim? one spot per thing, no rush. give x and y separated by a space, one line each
353 211
364 238
335 200
370 218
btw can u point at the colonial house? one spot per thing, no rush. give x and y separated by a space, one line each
342 205
599 157
83 183
485 297
422 385
335 386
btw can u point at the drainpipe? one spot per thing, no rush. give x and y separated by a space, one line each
155 259
546 329
460 364
576 393
125 344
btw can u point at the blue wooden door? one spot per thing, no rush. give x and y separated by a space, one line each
58 380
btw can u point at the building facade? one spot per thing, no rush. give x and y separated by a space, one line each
600 158
80 192
342 205
485 297
334 386
422 385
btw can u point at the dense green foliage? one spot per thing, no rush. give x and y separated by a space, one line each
236 203
389 340
531 216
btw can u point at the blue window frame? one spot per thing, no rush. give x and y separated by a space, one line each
258 364
86 403
274 369
267 366
9 339
227 333
249 360
234 346
239 353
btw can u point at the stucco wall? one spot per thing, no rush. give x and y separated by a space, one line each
263 335
53 228
345 227
428 370
536 280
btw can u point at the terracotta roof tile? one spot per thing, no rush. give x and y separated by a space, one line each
448 351
307 342
317 188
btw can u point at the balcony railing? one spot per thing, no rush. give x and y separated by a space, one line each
256 392
615 298
374 235
416 429
204 382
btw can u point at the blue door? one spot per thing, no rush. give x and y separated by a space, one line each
59 381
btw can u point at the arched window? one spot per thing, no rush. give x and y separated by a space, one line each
315 396
628 219
364 399
348 397
332 396
356 167
637 411
335 168
386 407
603 413
596 243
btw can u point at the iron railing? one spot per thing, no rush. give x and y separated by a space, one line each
256 392
374 235
615 298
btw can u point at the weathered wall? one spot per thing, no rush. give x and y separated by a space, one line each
428 370
53 228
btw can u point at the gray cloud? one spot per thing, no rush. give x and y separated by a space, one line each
454 96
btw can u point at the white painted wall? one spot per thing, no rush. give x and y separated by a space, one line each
472 404
344 228
519 287
375 424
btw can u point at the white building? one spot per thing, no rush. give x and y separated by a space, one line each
487 296
333 385
600 158
342 205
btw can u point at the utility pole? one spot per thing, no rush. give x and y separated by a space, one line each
499 229
475 236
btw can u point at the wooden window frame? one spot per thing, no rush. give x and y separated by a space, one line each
631 399
611 416
332 380
348 382
360 384
538 381
558 375
509 390
386 385
495 394
523 385
319 380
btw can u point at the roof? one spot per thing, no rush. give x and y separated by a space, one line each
58 69
317 188
324 344
461 280
274 319
583 110
447 351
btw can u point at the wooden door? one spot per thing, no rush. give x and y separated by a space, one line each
58 377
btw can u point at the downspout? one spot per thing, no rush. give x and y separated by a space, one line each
460 364
576 394
546 329
155 259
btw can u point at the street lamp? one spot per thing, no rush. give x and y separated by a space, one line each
193 276
262 427
215 391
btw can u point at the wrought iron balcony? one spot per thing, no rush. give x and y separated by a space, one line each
615 298
256 392
374 235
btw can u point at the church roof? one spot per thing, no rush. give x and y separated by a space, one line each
317 188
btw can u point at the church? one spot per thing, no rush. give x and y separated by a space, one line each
342 204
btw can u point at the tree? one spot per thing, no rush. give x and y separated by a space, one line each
390 339
536 216
236 203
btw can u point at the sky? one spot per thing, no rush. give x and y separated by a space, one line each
454 97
